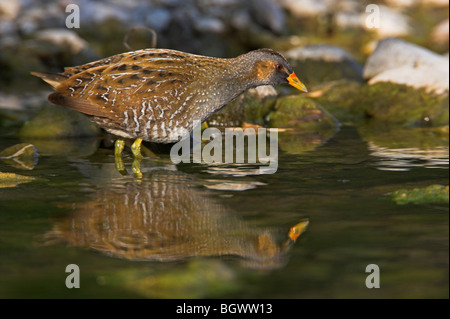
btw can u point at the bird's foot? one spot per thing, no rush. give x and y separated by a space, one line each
136 148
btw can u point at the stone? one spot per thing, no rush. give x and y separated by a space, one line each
305 8
10 9
440 33
433 194
397 61
320 63
430 78
391 23
58 122
253 106
63 38
303 114
269 14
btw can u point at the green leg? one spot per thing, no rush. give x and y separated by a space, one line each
136 148
136 167
118 148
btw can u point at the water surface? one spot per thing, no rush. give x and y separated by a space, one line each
194 230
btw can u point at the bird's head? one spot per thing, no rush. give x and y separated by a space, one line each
269 67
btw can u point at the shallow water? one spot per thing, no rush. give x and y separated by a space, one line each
202 231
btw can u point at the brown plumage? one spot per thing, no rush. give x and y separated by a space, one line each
156 94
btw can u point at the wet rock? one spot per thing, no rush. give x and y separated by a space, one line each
322 63
58 122
401 62
386 102
430 78
23 156
433 194
253 106
304 115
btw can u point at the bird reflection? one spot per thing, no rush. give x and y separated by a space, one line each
167 217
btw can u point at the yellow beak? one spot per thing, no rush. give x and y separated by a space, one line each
295 82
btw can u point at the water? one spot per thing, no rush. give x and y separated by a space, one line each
204 231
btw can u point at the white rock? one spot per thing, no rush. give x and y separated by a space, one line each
401 62
425 76
391 22
392 53
305 8
440 32
9 9
63 38
435 3
263 91
401 3
323 52
207 24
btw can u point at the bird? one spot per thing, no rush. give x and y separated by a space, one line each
155 94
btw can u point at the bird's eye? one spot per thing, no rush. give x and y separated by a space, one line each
279 67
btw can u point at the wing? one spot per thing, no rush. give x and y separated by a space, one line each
145 85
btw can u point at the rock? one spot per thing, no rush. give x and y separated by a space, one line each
401 3
158 19
253 106
428 77
58 122
303 114
24 156
9 9
320 63
305 8
440 33
401 62
435 3
391 23
386 102
209 25
433 194
63 38
269 14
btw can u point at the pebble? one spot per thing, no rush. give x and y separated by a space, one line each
305 8
63 38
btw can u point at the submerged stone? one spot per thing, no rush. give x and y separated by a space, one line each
253 106
58 122
303 114
22 155
433 194
387 102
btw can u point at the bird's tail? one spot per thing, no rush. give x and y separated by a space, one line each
54 79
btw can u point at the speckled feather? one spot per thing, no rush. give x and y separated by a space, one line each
155 94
